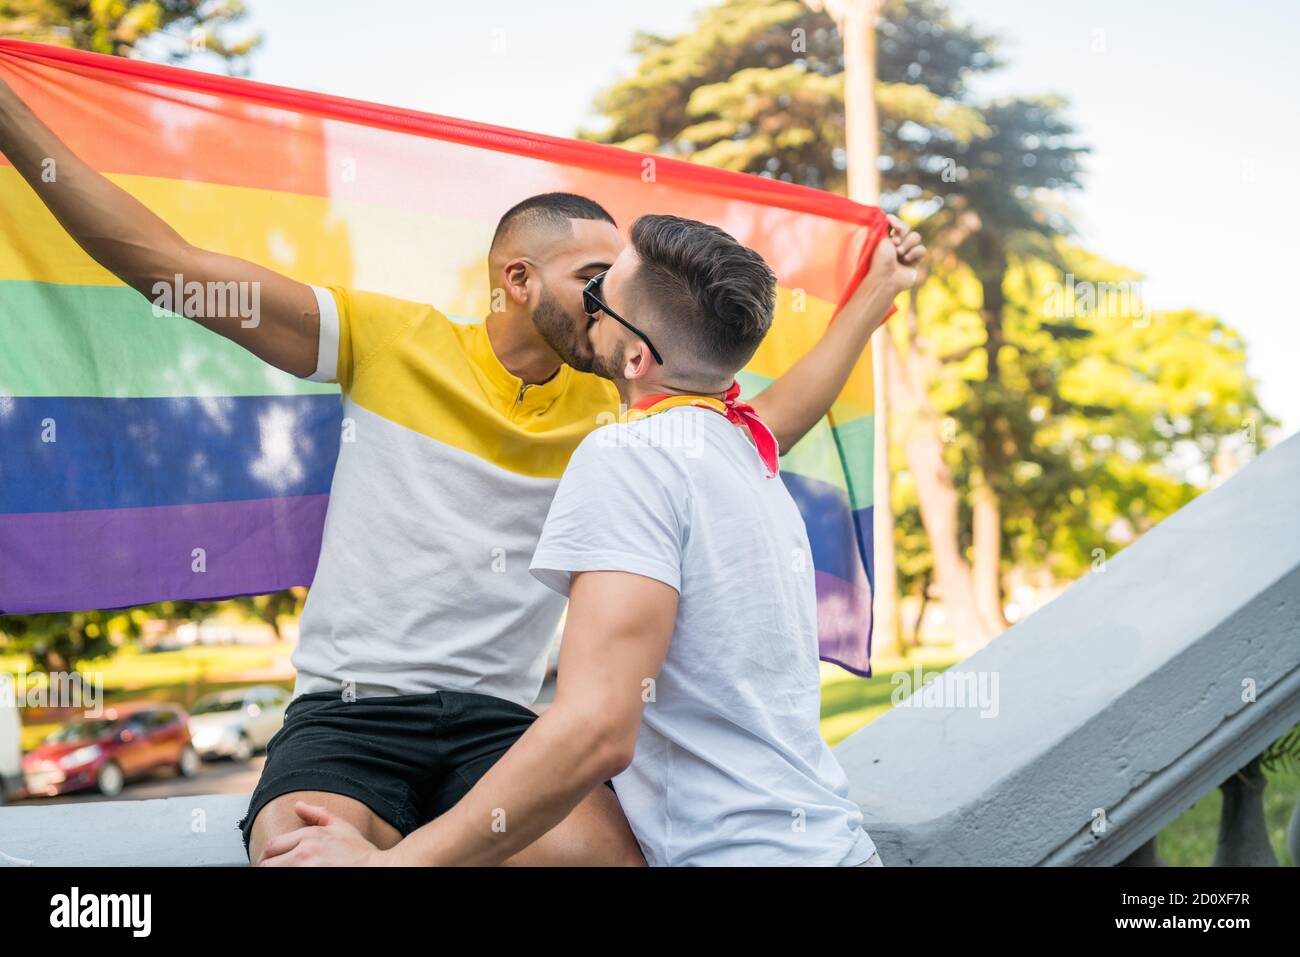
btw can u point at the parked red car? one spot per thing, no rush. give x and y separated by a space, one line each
126 742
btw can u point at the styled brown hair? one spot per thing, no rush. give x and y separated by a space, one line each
715 297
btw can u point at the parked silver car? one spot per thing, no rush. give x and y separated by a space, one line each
235 724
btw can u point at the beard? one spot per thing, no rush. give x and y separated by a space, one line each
567 338
608 367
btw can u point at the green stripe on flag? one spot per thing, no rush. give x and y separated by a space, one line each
817 455
58 340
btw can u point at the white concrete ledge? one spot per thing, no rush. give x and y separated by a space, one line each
1120 703
194 831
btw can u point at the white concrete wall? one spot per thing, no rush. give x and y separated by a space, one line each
170 832
1119 704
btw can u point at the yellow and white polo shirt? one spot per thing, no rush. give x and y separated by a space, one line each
446 470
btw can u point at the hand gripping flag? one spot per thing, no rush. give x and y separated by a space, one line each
127 436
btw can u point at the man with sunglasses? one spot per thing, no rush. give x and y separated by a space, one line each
594 306
689 669
424 638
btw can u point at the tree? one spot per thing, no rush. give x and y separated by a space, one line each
170 30
57 641
275 607
761 86
925 437
757 86
1010 179
1113 416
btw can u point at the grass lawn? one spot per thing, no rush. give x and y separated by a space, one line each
849 703
1189 841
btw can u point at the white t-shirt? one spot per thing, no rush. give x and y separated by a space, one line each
730 767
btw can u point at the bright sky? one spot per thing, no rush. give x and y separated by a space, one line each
1190 107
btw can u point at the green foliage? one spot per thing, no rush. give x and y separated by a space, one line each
56 642
59 641
1112 416
1091 423
154 29
757 86
1283 754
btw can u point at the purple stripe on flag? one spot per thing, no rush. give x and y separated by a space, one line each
111 558
844 623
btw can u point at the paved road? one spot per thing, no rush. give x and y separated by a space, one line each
216 777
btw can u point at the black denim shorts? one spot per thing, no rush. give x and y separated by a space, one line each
408 758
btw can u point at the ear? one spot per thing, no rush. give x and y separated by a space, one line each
517 275
637 360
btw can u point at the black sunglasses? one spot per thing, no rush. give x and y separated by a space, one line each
593 305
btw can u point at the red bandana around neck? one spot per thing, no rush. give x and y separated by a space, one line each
737 412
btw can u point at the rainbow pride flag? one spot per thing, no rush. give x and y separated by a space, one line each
126 437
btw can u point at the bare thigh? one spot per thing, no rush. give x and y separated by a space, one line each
595 834
278 817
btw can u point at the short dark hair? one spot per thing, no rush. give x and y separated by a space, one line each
553 208
714 295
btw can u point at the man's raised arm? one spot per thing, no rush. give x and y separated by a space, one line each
123 236
794 403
